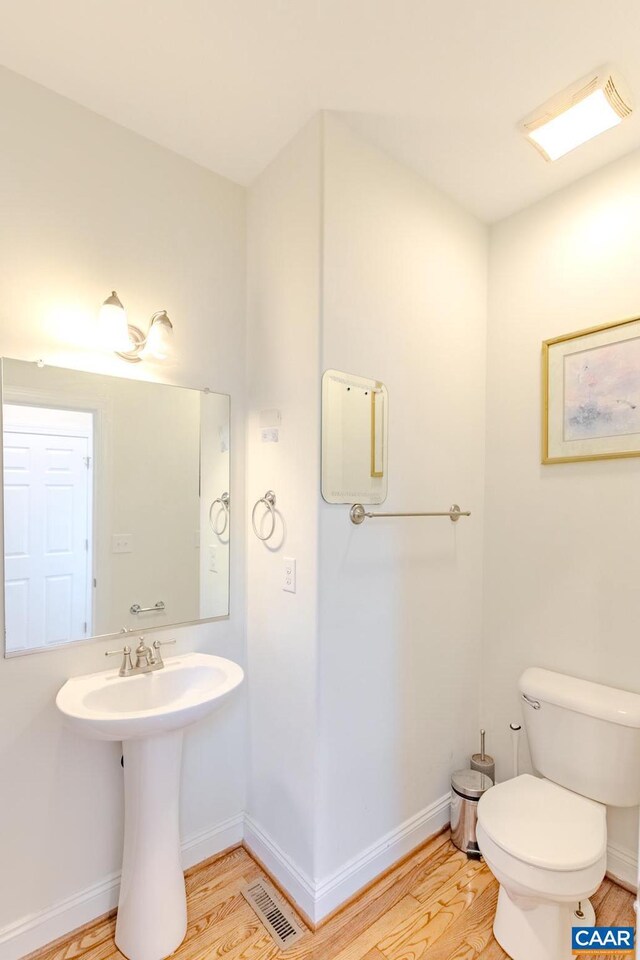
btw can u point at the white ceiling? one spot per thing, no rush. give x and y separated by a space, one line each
441 86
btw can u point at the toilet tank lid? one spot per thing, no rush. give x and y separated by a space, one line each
582 696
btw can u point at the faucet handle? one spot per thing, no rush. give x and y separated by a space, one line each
160 643
126 666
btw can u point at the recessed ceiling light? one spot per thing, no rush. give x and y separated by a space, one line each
589 107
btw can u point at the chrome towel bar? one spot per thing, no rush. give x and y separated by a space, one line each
358 514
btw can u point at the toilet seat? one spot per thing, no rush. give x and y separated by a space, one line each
541 840
544 825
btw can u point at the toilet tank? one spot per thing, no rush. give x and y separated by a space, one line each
583 736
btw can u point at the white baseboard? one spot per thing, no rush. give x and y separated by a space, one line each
375 859
294 881
201 846
318 898
38 929
622 865
371 862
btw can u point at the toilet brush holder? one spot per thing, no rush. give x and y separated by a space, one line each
482 762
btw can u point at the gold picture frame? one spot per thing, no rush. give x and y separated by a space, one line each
377 431
591 394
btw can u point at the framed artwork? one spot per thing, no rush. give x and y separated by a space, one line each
591 394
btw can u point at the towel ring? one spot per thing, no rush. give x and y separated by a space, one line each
224 505
269 501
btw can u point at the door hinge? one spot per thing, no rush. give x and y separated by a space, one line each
87 462
85 626
95 582
86 545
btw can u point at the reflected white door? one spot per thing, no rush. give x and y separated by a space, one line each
47 538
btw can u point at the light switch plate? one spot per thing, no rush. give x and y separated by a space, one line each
289 574
122 543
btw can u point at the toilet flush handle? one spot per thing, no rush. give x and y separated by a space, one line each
532 703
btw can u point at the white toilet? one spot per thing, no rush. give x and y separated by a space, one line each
545 840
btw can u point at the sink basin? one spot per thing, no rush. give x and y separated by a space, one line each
105 706
148 713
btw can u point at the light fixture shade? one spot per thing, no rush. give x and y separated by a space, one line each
159 343
112 320
588 108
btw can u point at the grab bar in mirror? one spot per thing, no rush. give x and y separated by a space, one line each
136 608
358 514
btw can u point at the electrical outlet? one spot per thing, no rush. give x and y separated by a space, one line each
122 543
289 574
213 560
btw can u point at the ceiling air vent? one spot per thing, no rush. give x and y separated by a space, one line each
589 107
278 918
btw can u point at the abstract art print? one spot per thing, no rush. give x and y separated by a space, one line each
591 394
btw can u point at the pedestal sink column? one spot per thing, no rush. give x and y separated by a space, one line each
152 911
149 711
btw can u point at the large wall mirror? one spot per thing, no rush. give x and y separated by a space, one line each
116 505
355 416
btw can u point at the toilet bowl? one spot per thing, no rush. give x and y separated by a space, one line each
546 846
545 837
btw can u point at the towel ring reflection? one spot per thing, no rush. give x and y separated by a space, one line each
224 509
269 501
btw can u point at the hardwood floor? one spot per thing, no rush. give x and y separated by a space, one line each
436 905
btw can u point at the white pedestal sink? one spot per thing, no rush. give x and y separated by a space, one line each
148 713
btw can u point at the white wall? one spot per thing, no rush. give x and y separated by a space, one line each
404 301
561 560
85 207
364 685
284 245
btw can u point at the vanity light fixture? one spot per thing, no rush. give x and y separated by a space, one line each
128 341
587 108
113 324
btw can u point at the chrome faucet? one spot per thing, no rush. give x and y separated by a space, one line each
146 660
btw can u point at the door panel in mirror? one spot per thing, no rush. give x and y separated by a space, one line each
355 419
109 486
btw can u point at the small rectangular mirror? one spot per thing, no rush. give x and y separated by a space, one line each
116 505
355 418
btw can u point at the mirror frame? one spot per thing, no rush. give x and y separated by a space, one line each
123 632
